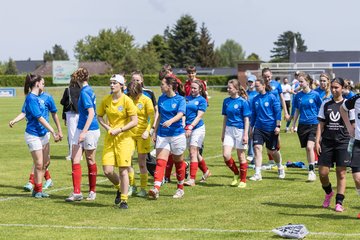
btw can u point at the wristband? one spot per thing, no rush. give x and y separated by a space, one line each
189 127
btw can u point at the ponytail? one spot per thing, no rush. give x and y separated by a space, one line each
30 81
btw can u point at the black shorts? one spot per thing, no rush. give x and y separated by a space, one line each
355 160
270 139
306 132
333 152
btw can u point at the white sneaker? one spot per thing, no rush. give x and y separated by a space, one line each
281 172
256 177
92 196
190 182
249 158
311 176
48 183
179 193
153 193
68 158
74 197
132 191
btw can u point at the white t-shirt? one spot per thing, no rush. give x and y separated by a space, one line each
286 88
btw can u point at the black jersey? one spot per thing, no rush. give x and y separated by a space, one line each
354 103
334 129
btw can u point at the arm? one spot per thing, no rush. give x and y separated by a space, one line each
57 123
48 127
195 122
246 130
18 118
103 123
133 122
296 115
345 117
151 116
87 124
319 130
223 128
283 104
157 123
176 118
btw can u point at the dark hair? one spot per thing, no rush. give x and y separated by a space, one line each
264 83
167 67
237 86
201 88
73 82
265 70
191 69
339 80
134 89
30 81
277 78
176 86
81 74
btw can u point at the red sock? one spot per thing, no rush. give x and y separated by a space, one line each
243 171
180 173
38 187
76 177
47 175
169 167
232 165
202 166
193 170
92 172
31 179
159 172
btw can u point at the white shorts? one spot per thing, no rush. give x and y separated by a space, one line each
90 141
176 145
233 137
36 143
197 137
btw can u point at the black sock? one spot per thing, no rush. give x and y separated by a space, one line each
327 189
311 167
339 198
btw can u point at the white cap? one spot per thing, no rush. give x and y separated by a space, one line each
118 78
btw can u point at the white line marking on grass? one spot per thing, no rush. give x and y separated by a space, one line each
50 191
169 229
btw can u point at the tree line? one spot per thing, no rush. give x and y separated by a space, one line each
180 46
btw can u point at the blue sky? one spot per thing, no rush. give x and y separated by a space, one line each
29 28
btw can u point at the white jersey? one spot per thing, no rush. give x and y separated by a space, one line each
286 91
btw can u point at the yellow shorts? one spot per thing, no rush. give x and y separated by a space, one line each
117 151
142 146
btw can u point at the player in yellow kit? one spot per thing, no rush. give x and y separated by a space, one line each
141 133
118 145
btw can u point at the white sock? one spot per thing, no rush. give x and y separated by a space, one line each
258 170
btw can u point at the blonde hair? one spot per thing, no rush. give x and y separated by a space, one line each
328 85
237 86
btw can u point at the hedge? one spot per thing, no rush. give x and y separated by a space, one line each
103 80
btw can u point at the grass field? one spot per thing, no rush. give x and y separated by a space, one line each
208 211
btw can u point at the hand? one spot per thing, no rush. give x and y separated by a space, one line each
145 135
154 136
114 132
277 131
188 133
81 137
152 131
318 148
56 137
167 123
287 117
61 136
11 123
245 139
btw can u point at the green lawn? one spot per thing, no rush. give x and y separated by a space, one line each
208 211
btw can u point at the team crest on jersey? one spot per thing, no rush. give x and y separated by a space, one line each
334 116
120 108
311 100
173 105
273 87
196 103
236 106
140 106
266 104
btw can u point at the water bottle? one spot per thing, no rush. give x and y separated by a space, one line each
350 146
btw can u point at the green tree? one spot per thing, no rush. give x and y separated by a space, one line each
206 53
148 60
113 47
58 53
285 44
159 44
230 53
253 57
10 68
183 42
